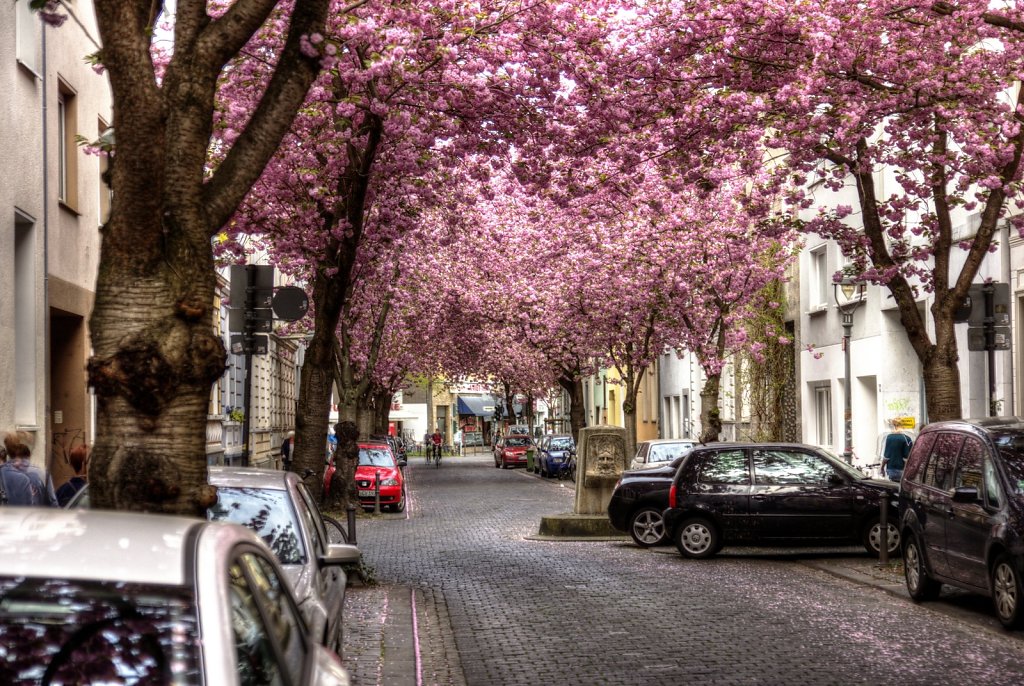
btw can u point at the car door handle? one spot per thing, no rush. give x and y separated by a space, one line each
759 497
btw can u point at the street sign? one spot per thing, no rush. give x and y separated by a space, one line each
1000 304
243 277
904 422
260 345
976 338
290 303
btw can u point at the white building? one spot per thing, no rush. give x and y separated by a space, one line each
52 203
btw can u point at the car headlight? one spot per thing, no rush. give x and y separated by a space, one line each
389 482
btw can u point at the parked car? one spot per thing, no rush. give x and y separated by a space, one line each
552 452
374 459
510 451
112 597
397 447
517 430
660 451
961 512
639 501
775 494
279 508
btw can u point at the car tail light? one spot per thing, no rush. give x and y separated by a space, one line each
672 495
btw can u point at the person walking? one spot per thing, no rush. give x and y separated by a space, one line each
286 451
78 458
894 452
22 482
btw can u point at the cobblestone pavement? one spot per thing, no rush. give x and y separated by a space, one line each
494 607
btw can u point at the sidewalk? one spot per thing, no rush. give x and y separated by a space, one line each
399 636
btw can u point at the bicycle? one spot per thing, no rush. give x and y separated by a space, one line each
436 450
568 468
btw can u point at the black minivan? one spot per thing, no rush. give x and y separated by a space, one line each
961 512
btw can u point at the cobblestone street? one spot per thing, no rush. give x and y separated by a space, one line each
494 607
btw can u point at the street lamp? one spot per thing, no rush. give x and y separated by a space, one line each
848 294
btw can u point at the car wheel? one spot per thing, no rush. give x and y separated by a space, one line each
647 527
872 537
1007 592
697 538
920 586
400 505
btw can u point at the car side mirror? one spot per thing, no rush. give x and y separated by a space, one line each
835 480
402 462
340 554
966 494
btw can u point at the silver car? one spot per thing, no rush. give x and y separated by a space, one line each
656 453
279 508
115 597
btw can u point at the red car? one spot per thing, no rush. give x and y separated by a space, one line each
375 459
511 451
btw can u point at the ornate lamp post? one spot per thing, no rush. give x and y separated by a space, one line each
848 294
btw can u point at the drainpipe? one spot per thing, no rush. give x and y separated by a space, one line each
47 434
1010 393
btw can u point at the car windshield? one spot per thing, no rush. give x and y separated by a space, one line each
851 471
375 457
517 442
267 512
59 631
560 443
666 452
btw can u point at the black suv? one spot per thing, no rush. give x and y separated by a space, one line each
962 512
774 494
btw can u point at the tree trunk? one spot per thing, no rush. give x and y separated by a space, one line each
710 414
577 412
629 409
942 375
346 459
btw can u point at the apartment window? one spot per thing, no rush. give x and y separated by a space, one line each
26 32
819 281
25 319
823 415
67 158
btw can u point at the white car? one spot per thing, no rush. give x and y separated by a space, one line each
661 451
279 508
115 597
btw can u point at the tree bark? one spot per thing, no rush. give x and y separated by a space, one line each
577 412
710 414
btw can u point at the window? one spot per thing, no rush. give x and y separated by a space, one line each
268 513
968 468
67 158
254 647
922 446
939 472
823 415
773 467
993 490
725 467
27 41
25 320
819 281
283 620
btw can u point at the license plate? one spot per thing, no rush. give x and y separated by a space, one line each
365 493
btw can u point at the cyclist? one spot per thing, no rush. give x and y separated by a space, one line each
435 441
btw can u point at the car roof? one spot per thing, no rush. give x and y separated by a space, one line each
663 441
96 544
1000 429
250 477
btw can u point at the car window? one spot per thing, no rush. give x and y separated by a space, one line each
725 467
63 631
517 442
641 451
375 457
993 489
939 471
254 646
317 541
561 443
918 457
968 467
266 511
307 498
283 620
666 452
790 467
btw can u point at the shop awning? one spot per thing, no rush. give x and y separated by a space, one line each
479 406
